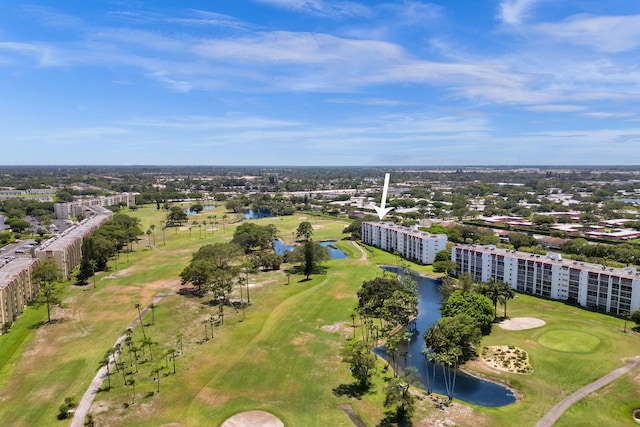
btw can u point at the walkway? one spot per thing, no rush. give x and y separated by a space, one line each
364 254
552 416
83 408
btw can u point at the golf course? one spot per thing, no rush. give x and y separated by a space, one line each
278 348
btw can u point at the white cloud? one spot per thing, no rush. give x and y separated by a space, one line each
607 115
557 108
367 101
613 34
514 11
321 7
43 53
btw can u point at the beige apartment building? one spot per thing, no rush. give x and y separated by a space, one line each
17 287
65 249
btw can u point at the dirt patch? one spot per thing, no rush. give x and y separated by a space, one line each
507 358
336 327
521 323
210 397
438 414
120 273
253 419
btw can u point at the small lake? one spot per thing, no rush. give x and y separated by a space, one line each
206 208
467 388
262 213
627 200
280 248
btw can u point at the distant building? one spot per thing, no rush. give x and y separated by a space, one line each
612 290
79 208
412 244
65 249
1 223
548 242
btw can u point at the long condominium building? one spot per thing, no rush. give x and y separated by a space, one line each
65 249
612 290
79 207
411 243
17 287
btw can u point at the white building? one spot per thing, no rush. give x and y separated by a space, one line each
79 208
412 244
613 290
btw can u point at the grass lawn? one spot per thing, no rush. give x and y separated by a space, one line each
574 348
281 354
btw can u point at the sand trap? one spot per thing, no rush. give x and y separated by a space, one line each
520 323
253 419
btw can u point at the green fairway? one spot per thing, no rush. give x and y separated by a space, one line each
569 341
280 353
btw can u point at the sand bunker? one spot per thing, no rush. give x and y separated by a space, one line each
520 323
253 419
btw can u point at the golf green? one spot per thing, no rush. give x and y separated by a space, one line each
569 341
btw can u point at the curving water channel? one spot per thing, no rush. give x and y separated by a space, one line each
467 388
280 248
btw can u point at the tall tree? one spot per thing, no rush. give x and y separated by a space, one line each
199 273
309 254
397 392
48 276
304 231
474 305
451 340
361 360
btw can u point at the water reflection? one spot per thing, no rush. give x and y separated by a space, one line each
467 388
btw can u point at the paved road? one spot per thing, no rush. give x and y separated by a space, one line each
552 416
83 408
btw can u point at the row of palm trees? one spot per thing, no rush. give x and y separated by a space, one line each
498 291
115 356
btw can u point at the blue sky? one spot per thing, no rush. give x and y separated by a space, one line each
320 82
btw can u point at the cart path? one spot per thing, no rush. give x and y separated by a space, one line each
364 254
85 404
552 416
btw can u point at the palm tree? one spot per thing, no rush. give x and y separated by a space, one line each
206 335
153 316
179 337
156 372
135 351
173 357
132 382
105 362
153 233
137 305
148 342
491 291
506 293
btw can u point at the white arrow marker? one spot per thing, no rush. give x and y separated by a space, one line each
382 211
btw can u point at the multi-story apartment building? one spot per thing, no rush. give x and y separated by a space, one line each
17 287
412 244
79 208
612 290
65 249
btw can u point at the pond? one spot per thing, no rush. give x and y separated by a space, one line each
206 208
280 248
467 388
262 213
